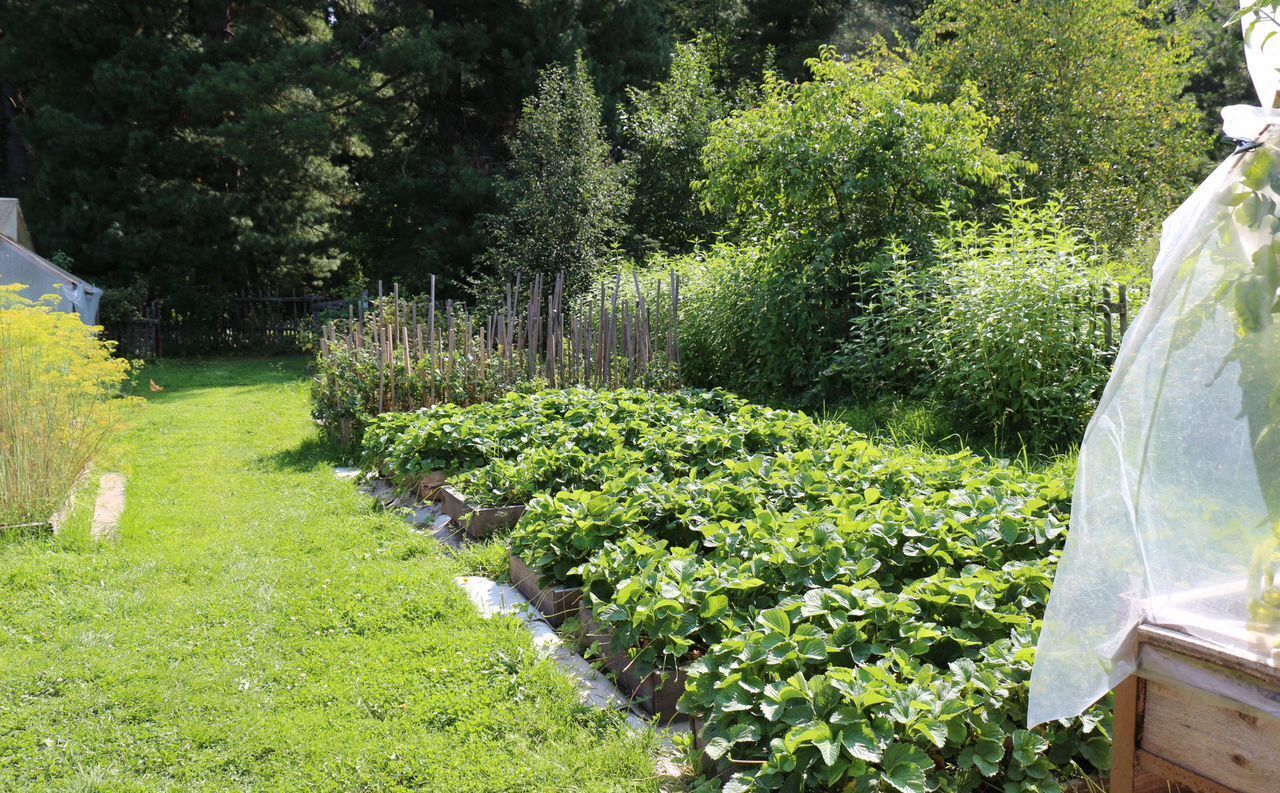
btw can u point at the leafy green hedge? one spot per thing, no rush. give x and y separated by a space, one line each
850 616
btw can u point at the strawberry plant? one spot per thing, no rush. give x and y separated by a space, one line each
851 616
789 713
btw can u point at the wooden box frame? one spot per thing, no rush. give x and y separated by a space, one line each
1189 736
656 693
554 603
479 522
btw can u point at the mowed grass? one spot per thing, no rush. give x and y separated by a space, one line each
259 625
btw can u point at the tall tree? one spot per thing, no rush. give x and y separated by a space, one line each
1092 93
436 91
566 200
189 143
666 127
781 35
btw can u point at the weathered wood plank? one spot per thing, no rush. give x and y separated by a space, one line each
1211 738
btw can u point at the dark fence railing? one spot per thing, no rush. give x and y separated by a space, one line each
239 325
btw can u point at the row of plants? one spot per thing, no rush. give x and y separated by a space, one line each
847 615
558 440
59 384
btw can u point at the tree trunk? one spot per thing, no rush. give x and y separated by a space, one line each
17 157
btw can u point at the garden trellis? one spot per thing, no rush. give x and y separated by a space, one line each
414 351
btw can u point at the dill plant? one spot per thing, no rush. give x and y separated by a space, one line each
58 383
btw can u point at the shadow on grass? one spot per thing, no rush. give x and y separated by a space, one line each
312 453
26 533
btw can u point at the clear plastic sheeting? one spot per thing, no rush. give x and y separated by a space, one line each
1177 499
1262 53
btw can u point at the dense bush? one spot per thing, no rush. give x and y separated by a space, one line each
58 383
725 297
1015 331
1092 93
1004 326
814 182
666 127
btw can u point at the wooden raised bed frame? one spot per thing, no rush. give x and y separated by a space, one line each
429 486
479 522
554 603
656 694
1183 736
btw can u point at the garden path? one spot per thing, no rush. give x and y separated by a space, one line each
260 625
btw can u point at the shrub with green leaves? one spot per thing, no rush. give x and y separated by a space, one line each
1093 93
814 182
1013 328
666 127
1004 326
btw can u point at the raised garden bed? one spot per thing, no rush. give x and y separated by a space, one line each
429 486
478 522
555 603
656 693
1196 715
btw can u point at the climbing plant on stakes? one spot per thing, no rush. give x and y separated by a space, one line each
409 352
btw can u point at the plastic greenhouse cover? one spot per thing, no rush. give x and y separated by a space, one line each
1176 511
41 277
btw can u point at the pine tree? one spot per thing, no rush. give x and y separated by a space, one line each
190 144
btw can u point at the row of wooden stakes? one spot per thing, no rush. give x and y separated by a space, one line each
426 351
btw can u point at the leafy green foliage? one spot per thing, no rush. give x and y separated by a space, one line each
452 438
1220 76
774 541
858 154
820 721
1092 93
171 148
508 450
815 181
1004 327
751 36
566 201
666 127
848 614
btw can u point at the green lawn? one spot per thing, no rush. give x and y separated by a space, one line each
259 626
